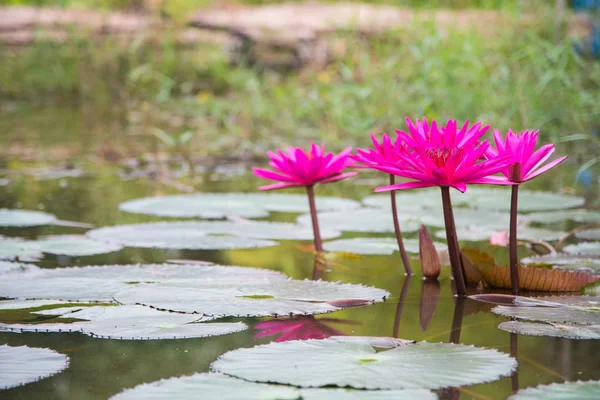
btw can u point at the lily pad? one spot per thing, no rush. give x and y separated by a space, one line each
205 289
223 387
551 315
356 363
363 220
205 235
24 218
412 200
6 267
584 249
499 199
221 205
21 365
578 215
129 323
565 261
366 245
560 391
576 332
288 297
588 234
17 248
476 234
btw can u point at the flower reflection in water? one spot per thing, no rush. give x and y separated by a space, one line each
300 328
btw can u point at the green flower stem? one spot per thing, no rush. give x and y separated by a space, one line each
453 248
397 230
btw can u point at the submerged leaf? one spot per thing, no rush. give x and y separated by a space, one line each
560 391
24 218
576 332
422 365
21 365
530 278
221 205
223 387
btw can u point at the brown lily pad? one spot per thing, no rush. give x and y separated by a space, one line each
531 278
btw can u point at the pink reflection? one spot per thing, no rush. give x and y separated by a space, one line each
299 328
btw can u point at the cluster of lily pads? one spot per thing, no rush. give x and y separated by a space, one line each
187 300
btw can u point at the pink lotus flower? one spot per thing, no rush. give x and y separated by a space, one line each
445 157
520 148
299 328
300 168
383 152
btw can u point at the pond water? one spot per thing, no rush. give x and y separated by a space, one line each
418 310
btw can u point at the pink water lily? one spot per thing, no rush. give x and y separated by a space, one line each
521 149
445 156
300 168
524 163
382 154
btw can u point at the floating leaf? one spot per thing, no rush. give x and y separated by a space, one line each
223 387
363 220
247 300
21 365
585 216
205 235
73 245
24 218
100 283
555 330
475 233
499 199
466 219
210 289
356 363
412 199
530 278
220 205
17 248
367 245
565 261
584 249
129 323
551 315
588 234
560 391
428 255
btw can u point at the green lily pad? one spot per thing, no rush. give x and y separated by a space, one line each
466 218
565 261
552 315
584 249
412 199
365 245
363 220
288 297
565 331
22 365
205 235
17 248
588 234
221 205
560 391
128 323
204 289
579 215
356 363
24 218
499 199
222 387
